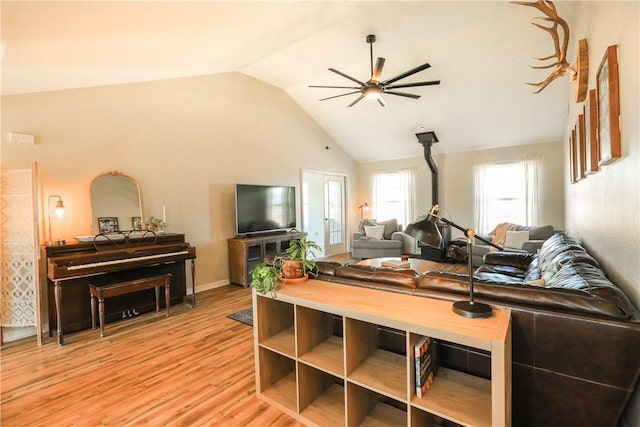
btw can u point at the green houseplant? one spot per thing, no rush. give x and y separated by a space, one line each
264 278
298 264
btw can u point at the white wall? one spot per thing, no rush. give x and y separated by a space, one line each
603 210
187 141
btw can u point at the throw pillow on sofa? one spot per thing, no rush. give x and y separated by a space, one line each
515 239
390 227
374 231
366 221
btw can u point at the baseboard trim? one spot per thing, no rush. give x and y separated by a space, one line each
211 285
10 334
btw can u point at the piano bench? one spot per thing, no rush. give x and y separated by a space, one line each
114 289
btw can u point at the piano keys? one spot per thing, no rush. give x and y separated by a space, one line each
71 268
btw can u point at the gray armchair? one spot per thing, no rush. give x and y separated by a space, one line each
371 246
537 236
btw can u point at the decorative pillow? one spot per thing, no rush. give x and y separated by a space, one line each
390 227
515 239
366 221
374 231
578 277
500 232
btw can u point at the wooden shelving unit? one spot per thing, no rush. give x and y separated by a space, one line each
321 357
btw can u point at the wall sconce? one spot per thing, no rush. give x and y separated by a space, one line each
59 211
363 207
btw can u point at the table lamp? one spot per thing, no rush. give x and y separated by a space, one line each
427 231
59 211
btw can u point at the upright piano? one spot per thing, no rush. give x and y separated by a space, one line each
70 268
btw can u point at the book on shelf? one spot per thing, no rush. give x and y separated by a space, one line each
395 263
424 365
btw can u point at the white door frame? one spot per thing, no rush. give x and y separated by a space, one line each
324 173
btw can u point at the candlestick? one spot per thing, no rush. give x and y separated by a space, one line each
164 214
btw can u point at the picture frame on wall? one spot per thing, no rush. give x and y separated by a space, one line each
108 224
591 132
608 107
573 171
581 157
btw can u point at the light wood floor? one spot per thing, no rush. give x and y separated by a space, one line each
195 368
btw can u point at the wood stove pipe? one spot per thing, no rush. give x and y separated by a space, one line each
427 139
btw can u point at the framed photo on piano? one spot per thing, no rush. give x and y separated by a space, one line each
136 223
108 224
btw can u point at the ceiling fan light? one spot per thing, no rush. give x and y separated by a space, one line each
372 92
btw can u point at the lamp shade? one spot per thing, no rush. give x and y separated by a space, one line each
426 231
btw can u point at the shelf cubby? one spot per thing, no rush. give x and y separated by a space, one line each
331 354
320 342
421 418
321 396
277 379
270 248
463 398
368 408
276 331
254 252
370 363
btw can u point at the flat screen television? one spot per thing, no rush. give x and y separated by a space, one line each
265 208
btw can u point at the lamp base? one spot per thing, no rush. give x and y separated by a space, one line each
472 310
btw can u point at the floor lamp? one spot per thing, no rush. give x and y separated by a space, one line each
427 231
363 207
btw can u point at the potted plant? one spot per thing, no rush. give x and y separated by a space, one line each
155 224
298 265
264 279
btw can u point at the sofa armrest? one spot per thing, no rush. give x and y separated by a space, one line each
477 254
513 259
357 235
397 235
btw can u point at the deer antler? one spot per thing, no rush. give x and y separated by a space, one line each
562 66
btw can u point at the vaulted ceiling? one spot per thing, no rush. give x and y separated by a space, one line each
479 50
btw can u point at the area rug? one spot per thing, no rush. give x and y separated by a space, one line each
243 316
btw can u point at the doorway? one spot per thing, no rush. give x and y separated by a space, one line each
324 210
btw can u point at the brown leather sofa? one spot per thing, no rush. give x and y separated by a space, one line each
576 343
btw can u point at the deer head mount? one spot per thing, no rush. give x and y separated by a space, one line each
578 72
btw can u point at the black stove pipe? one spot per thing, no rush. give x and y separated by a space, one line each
434 173
427 139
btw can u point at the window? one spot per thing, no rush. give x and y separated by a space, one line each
392 195
505 192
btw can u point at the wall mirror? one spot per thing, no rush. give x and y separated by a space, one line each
116 203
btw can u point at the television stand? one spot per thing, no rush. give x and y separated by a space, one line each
247 252
265 234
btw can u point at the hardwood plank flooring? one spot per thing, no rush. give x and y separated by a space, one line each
195 368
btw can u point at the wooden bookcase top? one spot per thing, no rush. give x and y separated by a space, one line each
420 315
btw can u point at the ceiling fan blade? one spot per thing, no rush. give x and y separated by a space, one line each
408 95
375 76
381 101
406 74
338 96
346 76
398 86
357 100
336 87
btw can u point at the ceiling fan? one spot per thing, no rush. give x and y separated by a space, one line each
374 88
